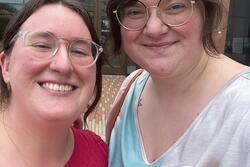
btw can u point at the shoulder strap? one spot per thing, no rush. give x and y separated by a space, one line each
115 110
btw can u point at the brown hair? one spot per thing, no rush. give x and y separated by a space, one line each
213 16
16 22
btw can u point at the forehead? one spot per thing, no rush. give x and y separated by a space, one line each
57 19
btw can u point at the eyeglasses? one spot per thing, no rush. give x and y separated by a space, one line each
44 45
134 15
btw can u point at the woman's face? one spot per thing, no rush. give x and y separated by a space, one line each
163 50
50 89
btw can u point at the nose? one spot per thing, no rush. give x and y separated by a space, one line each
61 62
154 26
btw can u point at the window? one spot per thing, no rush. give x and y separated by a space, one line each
6 11
238 32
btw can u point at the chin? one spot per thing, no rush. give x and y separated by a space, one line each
163 74
159 68
58 114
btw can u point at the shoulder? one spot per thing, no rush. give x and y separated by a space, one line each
235 100
132 76
89 149
240 84
86 136
236 93
87 140
246 75
138 76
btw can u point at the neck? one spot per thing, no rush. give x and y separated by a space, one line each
36 145
183 83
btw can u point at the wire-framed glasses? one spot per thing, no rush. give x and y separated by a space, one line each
134 15
44 45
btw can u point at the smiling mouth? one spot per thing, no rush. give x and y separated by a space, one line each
160 45
57 87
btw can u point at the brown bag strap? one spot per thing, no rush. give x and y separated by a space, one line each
115 110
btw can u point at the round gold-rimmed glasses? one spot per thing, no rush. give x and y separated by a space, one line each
134 15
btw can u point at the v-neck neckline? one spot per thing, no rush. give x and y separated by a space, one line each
190 127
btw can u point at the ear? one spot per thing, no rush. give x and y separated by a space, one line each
4 63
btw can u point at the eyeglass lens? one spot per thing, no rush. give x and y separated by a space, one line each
79 50
134 14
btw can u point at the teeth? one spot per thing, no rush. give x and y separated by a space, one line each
57 87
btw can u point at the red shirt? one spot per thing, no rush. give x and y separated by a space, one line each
89 150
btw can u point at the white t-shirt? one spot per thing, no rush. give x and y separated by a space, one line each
218 137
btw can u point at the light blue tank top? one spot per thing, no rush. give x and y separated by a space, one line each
218 137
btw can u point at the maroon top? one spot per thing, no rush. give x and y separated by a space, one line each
89 150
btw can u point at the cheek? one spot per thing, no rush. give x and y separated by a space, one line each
92 80
191 34
21 64
193 29
128 38
87 77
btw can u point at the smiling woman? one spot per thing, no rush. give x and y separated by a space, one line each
50 75
190 106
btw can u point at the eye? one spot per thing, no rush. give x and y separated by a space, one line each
79 52
174 8
41 46
134 12
40 42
